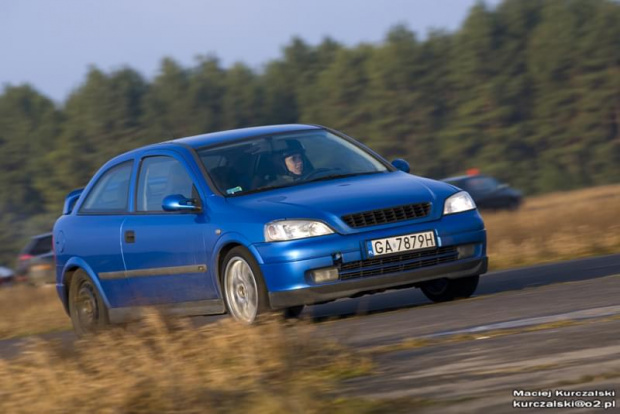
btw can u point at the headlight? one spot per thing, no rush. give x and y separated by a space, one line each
458 203
294 229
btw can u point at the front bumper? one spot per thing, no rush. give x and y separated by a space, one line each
287 266
345 289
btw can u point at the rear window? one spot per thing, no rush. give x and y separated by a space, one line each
481 184
39 246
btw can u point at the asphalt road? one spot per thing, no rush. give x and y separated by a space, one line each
552 327
501 296
559 326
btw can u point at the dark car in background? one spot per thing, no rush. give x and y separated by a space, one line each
35 263
487 192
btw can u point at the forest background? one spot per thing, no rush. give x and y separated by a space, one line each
528 91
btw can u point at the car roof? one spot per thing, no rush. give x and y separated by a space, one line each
239 134
457 178
213 138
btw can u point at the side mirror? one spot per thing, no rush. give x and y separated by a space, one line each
177 202
401 164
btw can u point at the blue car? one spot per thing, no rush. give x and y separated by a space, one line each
259 219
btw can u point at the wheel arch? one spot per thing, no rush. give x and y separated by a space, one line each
226 243
220 258
71 267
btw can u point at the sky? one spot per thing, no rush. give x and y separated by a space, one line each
50 44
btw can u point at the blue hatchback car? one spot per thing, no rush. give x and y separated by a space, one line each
258 219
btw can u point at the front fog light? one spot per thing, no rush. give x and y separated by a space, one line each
466 250
325 275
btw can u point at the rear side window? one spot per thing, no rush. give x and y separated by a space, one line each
111 192
160 177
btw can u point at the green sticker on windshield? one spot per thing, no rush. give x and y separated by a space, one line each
234 190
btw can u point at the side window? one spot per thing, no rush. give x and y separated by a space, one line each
160 177
111 192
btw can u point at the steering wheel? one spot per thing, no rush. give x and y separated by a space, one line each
319 171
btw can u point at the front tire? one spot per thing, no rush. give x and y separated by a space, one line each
243 285
89 314
444 290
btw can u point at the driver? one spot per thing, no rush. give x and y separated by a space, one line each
294 164
292 158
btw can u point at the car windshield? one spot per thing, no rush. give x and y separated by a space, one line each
285 160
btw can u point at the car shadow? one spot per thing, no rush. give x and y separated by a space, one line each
491 283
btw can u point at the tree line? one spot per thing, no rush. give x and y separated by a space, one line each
528 91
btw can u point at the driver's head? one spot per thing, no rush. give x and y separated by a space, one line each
293 157
295 163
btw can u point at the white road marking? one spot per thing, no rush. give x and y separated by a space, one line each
519 323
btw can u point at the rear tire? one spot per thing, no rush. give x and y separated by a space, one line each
245 293
444 290
89 314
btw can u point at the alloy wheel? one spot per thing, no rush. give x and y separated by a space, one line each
241 290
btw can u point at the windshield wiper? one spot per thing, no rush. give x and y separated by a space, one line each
334 176
294 183
267 187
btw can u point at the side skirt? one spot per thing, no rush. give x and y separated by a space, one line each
195 308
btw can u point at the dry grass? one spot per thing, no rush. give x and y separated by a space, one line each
27 310
554 227
169 366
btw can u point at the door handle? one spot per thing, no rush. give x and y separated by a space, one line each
130 236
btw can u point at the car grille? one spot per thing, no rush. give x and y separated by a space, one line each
387 215
398 263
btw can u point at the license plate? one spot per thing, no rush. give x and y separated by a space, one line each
404 243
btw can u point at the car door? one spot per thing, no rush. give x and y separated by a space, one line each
165 251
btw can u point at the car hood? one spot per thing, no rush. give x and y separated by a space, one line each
329 200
